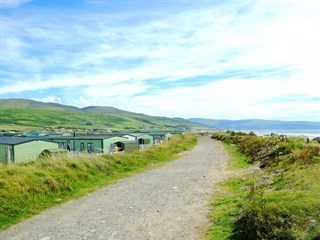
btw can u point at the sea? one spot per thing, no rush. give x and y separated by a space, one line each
307 133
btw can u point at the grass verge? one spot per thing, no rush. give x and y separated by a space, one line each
27 189
237 160
279 202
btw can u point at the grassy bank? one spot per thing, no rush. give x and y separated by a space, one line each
280 201
27 189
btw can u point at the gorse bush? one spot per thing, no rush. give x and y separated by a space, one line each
261 219
27 189
229 137
283 214
306 155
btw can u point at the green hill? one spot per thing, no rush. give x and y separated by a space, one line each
29 114
23 103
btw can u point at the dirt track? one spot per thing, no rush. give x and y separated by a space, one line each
170 202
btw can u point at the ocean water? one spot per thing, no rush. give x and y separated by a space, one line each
310 133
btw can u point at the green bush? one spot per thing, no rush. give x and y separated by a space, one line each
307 155
260 219
272 150
229 137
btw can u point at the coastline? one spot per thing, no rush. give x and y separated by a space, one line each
303 133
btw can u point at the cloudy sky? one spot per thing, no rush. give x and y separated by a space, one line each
178 58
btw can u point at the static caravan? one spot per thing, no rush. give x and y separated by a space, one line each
160 136
130 137
145 140
19 150
89 144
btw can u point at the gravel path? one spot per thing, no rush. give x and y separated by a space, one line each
170 202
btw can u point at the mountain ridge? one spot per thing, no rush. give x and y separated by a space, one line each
36 114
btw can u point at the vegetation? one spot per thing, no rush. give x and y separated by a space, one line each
27 189
30 115
237 160
281 201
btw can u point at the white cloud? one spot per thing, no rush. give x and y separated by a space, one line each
231 99
107 61
125 90
51 99
12 3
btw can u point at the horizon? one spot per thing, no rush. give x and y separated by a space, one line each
207 59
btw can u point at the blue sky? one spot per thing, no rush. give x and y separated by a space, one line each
212 59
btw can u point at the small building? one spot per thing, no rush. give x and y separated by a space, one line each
89 144
160 136
130 137
145 140
18 150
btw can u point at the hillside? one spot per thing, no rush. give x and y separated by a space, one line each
256 124
29 114
23 103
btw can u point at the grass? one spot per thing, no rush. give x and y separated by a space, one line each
237 159
27 189
279 202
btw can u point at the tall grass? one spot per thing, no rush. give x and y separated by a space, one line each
27 189
281 201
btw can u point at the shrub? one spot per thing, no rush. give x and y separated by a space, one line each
272 150
260 219
307 155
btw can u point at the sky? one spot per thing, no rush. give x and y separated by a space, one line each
223 59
